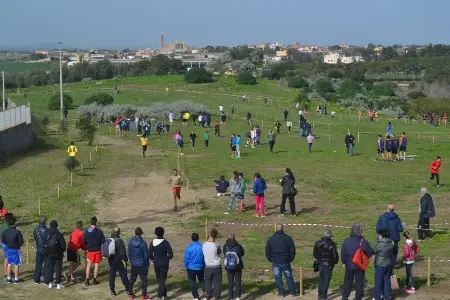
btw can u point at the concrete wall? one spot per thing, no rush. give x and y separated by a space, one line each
16 139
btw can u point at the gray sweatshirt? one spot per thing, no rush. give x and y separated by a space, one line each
235 186
211 252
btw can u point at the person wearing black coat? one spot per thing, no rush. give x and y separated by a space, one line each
349 143
235 275
426 211
160 252
54 256
326 254
287 183
118 262
39 235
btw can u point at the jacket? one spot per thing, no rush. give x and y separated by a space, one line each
280 248
138 252
259 186
222 185
39 238
233 246
348 250
61 248
193 257
325 251
383 250
392 222
426 209
410 249
76 240
349 139
12 238
434 166
287 182
235 186
160 252
3 227
93 239
121 252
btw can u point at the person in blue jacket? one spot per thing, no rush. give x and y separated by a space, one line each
352 272
259 186
194 263
221 186
389 128
139 260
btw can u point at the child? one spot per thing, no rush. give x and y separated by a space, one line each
144 143
217 128
193 136
310 140
176 182
206 137
235 190
435 166
248 135
389 148
389 128
259 186
410 249
242 193
395 148
403 144
380 148
221 186
13 240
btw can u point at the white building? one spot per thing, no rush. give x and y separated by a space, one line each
334 58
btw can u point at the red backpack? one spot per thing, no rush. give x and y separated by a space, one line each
360 259
3 212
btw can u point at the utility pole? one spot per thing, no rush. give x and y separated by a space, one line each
61 98
3 85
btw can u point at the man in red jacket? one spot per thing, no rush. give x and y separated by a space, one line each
73 256
435 165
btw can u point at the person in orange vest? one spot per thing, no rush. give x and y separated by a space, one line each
444 119
376 116
359 115
72 150
435 166
370 113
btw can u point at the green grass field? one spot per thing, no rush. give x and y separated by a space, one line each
334 189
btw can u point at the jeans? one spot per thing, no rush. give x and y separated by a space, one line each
350 149
271 143
259 205
409 276
325 273
437 177
233 201
394 256
238 151
40 257
193 143
207 143
143 274
213 281
291 203
161 277
358 276
192 276
302 131
113 269
423 228
382 282
52 265
278 271
309 147
234 280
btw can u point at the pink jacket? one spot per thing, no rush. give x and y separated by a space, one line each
410 249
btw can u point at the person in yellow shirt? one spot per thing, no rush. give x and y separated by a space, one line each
144 143
167 91
72 150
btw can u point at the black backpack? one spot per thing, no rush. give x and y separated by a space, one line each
52 247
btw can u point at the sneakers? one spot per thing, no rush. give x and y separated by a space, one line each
50 285
87 283
9 280
95 281
16 281
113 292
411 291
146 298
131 297
227 213
59 286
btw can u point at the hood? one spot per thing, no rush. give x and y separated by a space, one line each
410 242
52 231
115 236
91 229
156 242
137 242
390 215
385 240
231 243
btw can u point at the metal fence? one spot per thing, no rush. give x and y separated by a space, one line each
15 116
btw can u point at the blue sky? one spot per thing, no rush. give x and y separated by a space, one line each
138 23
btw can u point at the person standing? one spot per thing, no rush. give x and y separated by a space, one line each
232 109
4 224
389 129
235 189
249 117
289 125
287 184
12 240
170 118
265 100
285 113
40 241
410 249
93 239
426 211
144 143
208 120
206 138
138 255
383 251
326 255
352 272
435 166
310 140
117 263
403 145
146 128
193 137
242 192
75 244
213 270
271 137
160 252
217 128
349 143
72 150
253 137
389 148
280 251
259 186
233 253
380 148
237 143
176 182
194 263
395 146
55 248
392 222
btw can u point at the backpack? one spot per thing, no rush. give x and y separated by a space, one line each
231 260
360 259
109 247
52 247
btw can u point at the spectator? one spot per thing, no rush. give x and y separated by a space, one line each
410 249
55 248
392 222
426 211
271 138
310 140
287 183
259 186
280 251
221 186
13 240
73 256
383 250
285 113
352 272
235 189
249 117
117 263
233 253
39 234
195 264
4 224
326 255
349 143
160 252
3 209
138 255
213 269
242 192
93 239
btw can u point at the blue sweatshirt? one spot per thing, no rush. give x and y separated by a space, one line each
389 145
237 142
404 142
259 186
193 257
94 239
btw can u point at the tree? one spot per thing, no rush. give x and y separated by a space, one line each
297 82
240 66
349 88
335 48
102 99
246 78
388 53
334 74
198 75
54 102
86 130
324 86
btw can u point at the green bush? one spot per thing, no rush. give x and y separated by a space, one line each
383 90
246 78
334 74
54 102
198 75
86 130
349 88
102 98
297 82
324 86
416 95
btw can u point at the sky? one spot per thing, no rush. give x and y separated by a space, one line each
139 23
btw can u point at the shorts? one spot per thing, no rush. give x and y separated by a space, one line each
176 189
94 257
14 257
144 148
380 151
73 256
180 145
241 196
184 120
402 149
233 148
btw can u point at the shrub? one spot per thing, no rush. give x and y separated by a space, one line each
45 121
383 90
334 74
102 98
324 86
86 130
297 82
198 75
246 78
349 88
416 95
54 102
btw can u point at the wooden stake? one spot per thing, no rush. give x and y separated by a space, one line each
275 227
58 191
110 129
358 137
329 138
429 272
206 228
90 156
300 278
71 178
81 166
433 139
28 251
39 206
